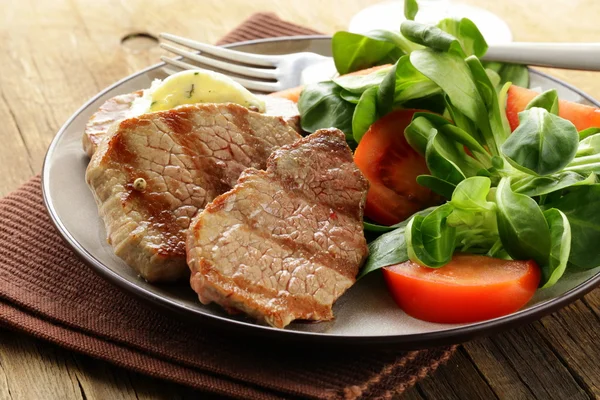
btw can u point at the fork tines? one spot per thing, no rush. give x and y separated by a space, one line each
227 61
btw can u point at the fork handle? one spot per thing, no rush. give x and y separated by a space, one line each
583 56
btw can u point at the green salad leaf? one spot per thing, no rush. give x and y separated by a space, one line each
532 185
442 159
588 132
547 100
467 33
589 146
516 74
432 37
410 9
542 144
365 113
580 206
389 248
320 105
493 125
471 194
357 84
451 73
461 137
353 51
410 84
417 133
437 185
521 224
386 90
474 217
560 240
430 240
376 228
350 97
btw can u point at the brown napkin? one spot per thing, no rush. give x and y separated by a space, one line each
45 291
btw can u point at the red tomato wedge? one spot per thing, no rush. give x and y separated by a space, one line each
391 166
470 288
580 115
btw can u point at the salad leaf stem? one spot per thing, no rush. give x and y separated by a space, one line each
560 238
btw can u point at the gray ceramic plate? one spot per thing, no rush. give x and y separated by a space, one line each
366 314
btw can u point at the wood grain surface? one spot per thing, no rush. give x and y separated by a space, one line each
56 54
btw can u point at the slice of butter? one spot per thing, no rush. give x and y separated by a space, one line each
194 86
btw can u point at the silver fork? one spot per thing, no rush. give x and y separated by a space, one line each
271 73
263 73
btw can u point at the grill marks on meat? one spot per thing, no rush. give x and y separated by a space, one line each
187 156
285 243
118 108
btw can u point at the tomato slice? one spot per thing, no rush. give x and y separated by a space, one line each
580 115
391 166
468 289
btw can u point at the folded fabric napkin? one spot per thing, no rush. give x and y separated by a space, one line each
47 292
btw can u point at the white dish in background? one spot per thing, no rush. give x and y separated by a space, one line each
366 314
389 14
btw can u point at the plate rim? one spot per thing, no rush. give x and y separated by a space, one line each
413 340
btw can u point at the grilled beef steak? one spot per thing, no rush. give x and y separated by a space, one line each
113 110
119 108
154 172
285 243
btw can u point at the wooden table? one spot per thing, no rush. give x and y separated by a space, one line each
57 54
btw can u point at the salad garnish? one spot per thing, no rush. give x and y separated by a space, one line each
531 194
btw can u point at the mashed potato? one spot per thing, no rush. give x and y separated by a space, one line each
194 86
